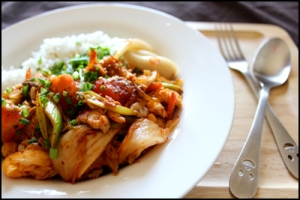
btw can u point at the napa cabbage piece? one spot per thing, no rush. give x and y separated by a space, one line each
142 134
78 149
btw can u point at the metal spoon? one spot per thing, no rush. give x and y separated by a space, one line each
271 68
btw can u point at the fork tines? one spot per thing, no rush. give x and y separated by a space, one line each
228 43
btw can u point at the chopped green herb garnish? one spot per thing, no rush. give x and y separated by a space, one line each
37 128
56 98
136 70
73 122
26 91
47 143
87 87
53 153
102 87
71 112
44 82
79 61
24 121
40 61
8 90
50 94
58 68
3 102
75 75
46 72
80 103
91 76
32 140
44 99
44 91
25 112
68 100
19 131
65 93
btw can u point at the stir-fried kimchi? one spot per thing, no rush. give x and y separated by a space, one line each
101 115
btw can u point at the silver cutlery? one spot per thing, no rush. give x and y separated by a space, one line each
235 60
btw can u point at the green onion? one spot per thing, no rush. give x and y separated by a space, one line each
32 140
56 98
44 100
71 112
26 90
73 122
80 103
47 143
51 94
75 75
48 84
80 67
3 102
136 70
78 61
69 101
102 52
32 79
102 88
53 153
40 61
41 116
87 87
44 91
65 93
37 128
18 132
91 76
25 112
8 90
58 67
42 81
24 121
46 72
172 86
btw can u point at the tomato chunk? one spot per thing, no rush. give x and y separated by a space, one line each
119 89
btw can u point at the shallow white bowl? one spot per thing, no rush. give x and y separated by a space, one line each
169 170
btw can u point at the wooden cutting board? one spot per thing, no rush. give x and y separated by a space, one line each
275 180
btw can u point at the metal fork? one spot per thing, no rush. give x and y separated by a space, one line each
244 175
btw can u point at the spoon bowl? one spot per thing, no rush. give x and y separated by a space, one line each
271 68
272 64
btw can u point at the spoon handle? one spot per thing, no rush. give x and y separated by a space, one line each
244 177
288 148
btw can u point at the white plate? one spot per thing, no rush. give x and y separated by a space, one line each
170 170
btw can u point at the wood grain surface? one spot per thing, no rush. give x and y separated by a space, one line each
275 181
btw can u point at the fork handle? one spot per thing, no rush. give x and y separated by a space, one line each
288 148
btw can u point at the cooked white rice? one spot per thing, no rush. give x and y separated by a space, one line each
58 49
